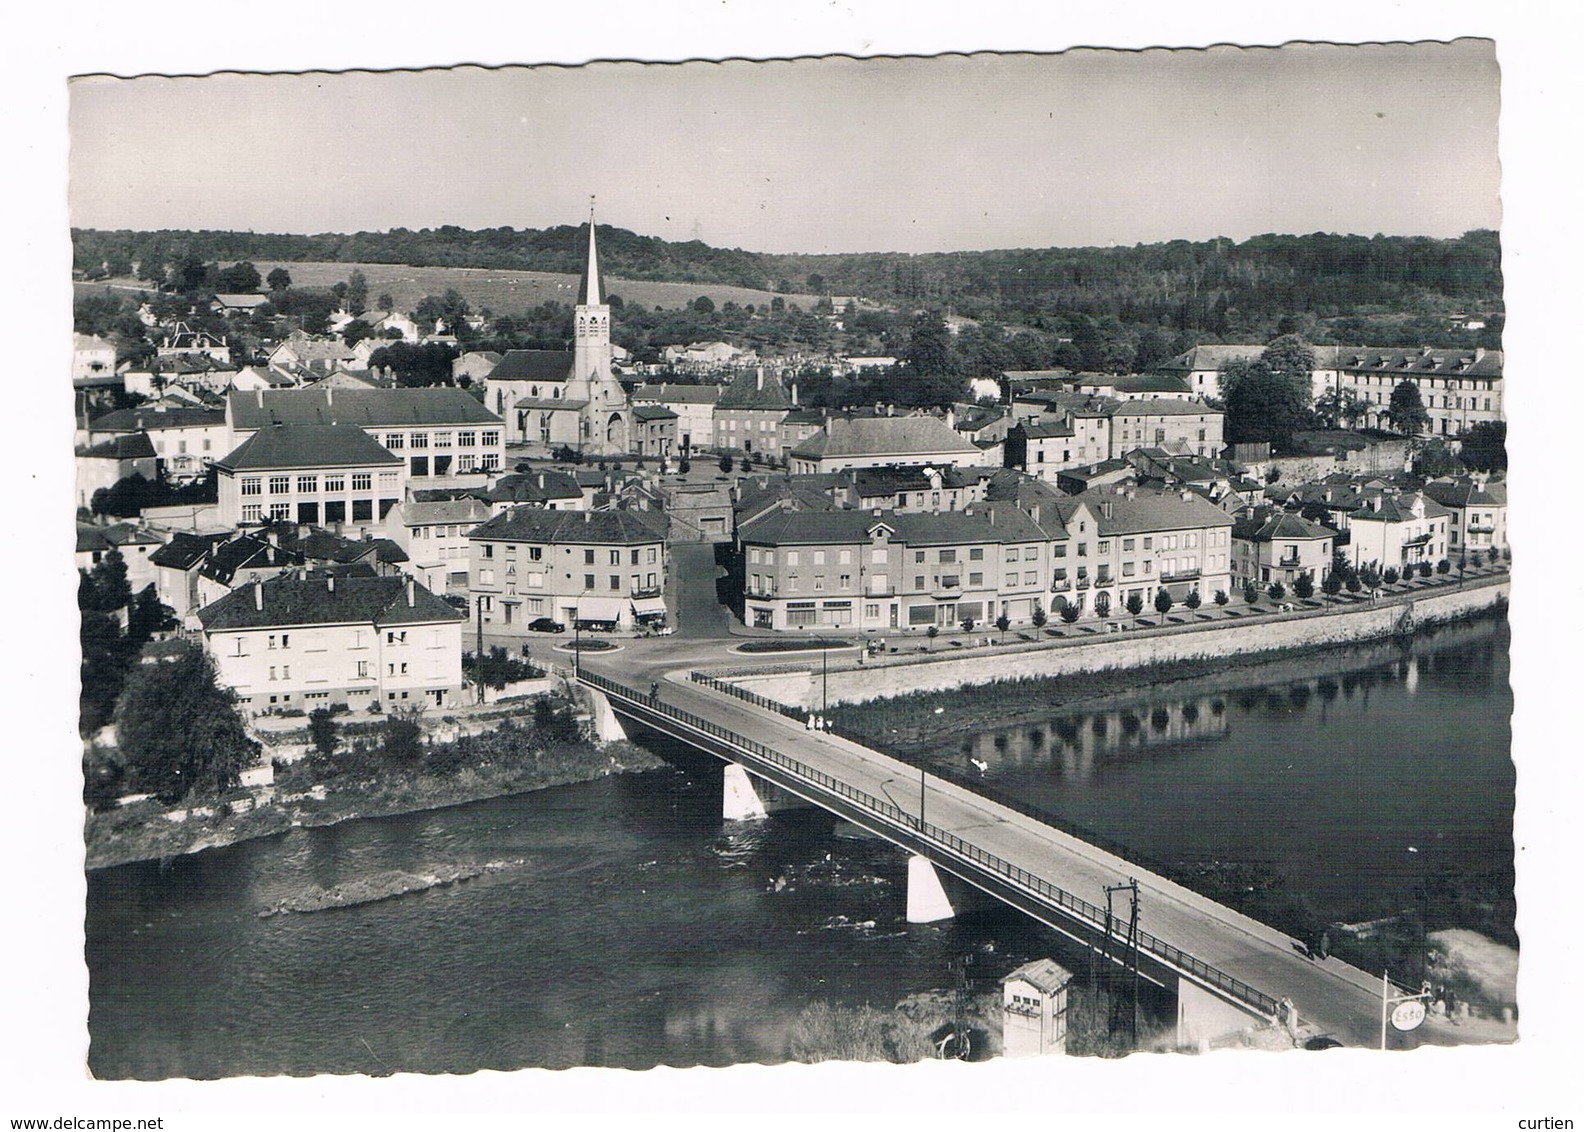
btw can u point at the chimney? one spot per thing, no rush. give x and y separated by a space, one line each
588 518
412 596
794 394
260 393
330 582
329 396
1034 512
1105 508
759 383
541 480
258 595
1479 353
951 417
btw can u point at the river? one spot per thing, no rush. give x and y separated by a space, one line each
639 930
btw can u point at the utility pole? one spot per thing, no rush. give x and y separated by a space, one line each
478 649
1130 887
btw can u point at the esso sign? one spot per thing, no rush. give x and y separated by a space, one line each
1408 1015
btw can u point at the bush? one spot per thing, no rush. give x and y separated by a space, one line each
322 731
1221 597
1277 591
1443 566
685 466
1303 586
726 463
1424 569
1353 584
1250 592
1390 575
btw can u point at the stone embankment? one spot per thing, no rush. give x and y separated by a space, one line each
1194 640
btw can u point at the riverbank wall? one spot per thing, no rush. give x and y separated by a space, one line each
880 677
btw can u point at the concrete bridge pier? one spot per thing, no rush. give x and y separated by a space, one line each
602 718
1202 1017
936 895
746 798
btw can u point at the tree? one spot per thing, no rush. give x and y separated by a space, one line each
1369 575
703 305
1263 406
1163 601
401 739
1436 459
385 302
726 462
108 580
279 279
1424 569
355 331
179 732
684 466
746 465
1002 624
967 624
1277 591
1040 617
1134 604
932 632
928 351
240 278
322 732
1331 584
1443 567
1485 446
1303 586
357 293
1193 600
1406 411
1250 591
1069 614
1221 597
1390 575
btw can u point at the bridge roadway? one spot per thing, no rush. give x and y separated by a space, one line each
1246 960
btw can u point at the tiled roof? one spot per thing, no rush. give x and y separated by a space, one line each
535 524
653 413
366 408
292 601
755 390
466 510
977 523
1140 383
535 487
308 446
1045 974
676 394
127 446
246 551
1422 363
883 436
1140 510
1461 493
137 420
1159 407
533 365
1277 524
184 550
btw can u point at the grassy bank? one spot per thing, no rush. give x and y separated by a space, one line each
511 760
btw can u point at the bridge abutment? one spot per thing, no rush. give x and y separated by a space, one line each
602 718
935 895
746 798
1202 1017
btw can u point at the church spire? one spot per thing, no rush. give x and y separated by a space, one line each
591 293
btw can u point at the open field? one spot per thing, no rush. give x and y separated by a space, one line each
502 291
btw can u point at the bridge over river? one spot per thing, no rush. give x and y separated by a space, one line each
1228 970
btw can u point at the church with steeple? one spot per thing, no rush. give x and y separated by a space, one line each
566 398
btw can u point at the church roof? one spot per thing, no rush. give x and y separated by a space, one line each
533 365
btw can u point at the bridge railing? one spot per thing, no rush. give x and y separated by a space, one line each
945 839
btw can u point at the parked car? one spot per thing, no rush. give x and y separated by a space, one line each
545 625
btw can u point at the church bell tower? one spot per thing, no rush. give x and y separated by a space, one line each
605 418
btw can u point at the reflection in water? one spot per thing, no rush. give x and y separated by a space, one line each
1324 778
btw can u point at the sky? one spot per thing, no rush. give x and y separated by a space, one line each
833 154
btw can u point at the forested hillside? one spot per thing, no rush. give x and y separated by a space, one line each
1215 287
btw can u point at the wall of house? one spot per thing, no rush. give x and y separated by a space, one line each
894 676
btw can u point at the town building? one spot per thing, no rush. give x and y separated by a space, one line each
572 398
309 473
93 358
434 533
1034 1003
1478 513
879 441
598 568
1398 529
749 413
176 566
808 569
436 432
1273 545
184 341
694 406
186 440
105 464
297 642
136 546
654 431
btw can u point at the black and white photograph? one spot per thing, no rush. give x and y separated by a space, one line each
939 561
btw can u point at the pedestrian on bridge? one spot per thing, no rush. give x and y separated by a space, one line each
654 690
